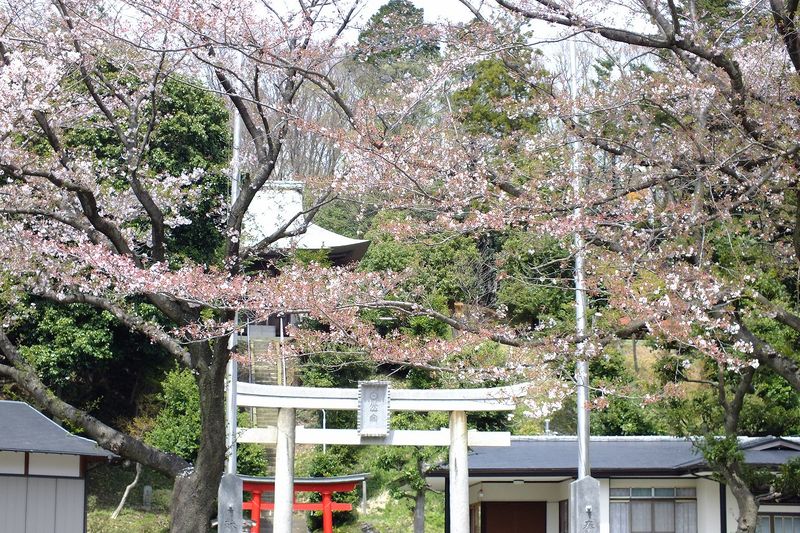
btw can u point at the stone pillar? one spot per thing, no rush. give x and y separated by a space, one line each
459 473
284 471
584 506
229 504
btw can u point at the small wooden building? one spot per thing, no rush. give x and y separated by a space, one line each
42 473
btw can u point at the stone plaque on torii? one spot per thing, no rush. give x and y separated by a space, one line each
373 401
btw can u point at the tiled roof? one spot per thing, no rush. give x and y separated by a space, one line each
24 429
558 456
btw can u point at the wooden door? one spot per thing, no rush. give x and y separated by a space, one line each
514 517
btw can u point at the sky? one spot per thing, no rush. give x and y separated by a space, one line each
451 10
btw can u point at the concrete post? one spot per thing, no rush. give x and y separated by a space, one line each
229 498
364 497
284 471
459 473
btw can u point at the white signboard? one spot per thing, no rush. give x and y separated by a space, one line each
373 408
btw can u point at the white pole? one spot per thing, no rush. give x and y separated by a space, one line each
230 417
282 359
582 365
232 368
324 426
284 471
236 149
459 473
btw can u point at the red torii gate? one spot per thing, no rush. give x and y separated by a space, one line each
325 486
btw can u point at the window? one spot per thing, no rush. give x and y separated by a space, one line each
653 510
777 523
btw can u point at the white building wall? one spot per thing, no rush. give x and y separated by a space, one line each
70 505
523 492
552 517
50 464
12 462
731 510
788 509
42 504
605 503
40 516
13 498
687 482
708 506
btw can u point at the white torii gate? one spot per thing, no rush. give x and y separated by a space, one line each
373 401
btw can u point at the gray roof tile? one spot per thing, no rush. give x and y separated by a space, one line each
548 456
24 429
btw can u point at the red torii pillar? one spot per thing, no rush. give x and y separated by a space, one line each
324 486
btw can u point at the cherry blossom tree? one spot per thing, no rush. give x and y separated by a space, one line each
690 206
689 199
99 227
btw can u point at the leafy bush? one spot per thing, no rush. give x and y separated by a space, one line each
177 426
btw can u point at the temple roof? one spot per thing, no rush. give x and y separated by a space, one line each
277 203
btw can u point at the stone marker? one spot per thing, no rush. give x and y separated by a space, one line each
584 506
229 509
147 497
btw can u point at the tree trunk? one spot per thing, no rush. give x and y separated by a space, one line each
194 496
419 512
748 507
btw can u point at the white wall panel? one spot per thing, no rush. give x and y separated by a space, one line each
41 510
13 492
12 462
708 506
70 503
51 464
552 517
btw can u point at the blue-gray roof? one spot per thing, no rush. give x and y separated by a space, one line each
614 456
24 429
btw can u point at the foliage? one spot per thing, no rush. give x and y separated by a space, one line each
618 411
445 268
394 40
87 355
534 285
177 426
484 106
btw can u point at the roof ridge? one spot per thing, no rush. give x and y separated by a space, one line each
600 438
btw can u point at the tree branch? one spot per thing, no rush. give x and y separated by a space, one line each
24 375
130 320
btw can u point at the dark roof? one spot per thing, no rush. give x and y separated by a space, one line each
24 429
611 456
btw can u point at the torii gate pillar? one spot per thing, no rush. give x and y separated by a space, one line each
284 471
459 472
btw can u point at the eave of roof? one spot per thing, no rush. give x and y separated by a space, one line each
27 430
